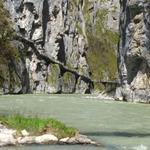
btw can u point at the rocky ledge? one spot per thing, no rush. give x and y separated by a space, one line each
9 137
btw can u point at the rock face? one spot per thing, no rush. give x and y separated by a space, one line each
134 51
54 44
112 18
53 50
65 44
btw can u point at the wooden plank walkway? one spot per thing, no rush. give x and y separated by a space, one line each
105 82
109 85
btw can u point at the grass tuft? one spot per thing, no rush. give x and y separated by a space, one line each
38 126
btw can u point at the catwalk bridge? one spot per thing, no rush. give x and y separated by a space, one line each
109 85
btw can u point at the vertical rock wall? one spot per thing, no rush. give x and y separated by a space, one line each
54 50
63 44
134 51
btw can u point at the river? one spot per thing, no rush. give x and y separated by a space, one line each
117 125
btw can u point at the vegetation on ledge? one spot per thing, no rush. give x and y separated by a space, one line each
8 52
101 55
38 126
102 41
7 49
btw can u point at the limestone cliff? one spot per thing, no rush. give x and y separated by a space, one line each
63 45
54 51
134 51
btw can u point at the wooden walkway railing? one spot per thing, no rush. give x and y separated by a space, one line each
109 85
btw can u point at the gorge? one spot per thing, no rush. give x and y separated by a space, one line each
63 46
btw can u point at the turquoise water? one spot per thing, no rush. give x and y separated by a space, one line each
118 126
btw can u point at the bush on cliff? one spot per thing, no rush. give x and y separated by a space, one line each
8 52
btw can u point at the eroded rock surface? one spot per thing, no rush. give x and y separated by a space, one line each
134 51
53 50
53 42
10 137
7 136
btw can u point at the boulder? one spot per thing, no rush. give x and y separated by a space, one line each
7 139
24 133
26 140
81 139
64 140
46 138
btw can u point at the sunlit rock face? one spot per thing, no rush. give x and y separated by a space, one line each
55 56
134 51
62 45
53 38
112 19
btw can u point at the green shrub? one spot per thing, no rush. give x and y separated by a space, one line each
8 52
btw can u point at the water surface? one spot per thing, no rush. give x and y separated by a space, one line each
119 126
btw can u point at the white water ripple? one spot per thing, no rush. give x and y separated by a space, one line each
140 147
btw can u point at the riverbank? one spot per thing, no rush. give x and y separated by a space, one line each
18 130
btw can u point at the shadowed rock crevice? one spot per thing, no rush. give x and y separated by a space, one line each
45 18
61 53
134 67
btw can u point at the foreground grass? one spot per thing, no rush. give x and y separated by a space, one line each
38 126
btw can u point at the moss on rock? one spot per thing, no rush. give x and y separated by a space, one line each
101 54
53 74
102 42
69 81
